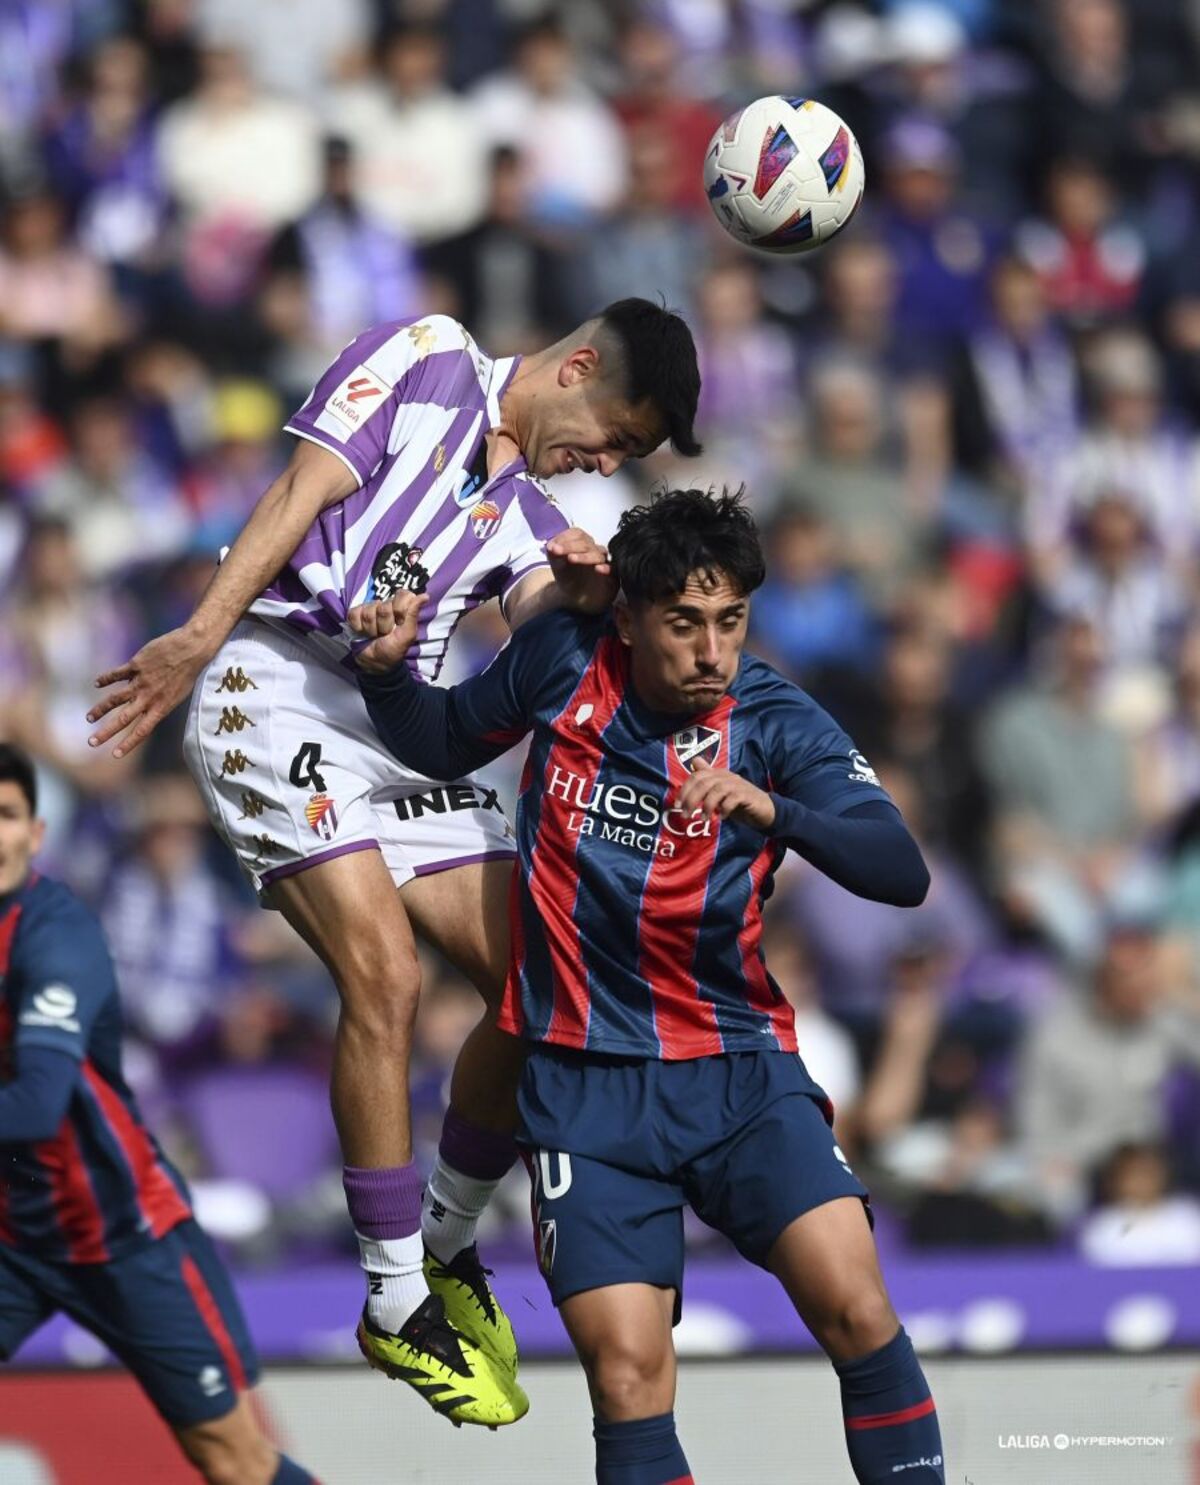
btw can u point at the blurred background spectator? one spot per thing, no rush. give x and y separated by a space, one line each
969 430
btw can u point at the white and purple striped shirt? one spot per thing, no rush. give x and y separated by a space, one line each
406 407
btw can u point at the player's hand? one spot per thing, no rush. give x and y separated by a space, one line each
582 571
722 795
391 626
149 687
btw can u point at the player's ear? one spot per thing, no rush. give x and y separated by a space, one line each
581 365
623 619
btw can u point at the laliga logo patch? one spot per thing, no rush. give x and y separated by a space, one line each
485 517
547 1245
694 743
321 814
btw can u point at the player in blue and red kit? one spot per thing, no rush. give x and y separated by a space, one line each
94 1221
667 775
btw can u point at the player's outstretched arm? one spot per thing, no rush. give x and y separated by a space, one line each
579 577
867 849
153 682
443 734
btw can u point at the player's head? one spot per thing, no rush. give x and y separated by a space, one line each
613 390
687 564
21 831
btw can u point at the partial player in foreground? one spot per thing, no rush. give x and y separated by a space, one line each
94 1221
668 773
418 471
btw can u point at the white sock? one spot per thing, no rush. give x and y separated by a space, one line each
395 1282
451 1209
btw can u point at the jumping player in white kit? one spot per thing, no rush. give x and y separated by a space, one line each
417 469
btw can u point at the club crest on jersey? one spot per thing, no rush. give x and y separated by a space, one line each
547 1245
485 517
321 814
397 570
695 743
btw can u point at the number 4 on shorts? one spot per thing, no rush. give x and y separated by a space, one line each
303 772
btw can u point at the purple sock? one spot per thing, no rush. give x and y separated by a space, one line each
384 1203
475 1152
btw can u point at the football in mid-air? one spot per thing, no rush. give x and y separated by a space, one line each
784 174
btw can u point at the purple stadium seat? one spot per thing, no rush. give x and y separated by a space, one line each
267 1125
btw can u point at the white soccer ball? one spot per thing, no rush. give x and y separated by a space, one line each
784 174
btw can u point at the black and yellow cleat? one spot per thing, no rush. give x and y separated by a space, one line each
455 1376
471 1305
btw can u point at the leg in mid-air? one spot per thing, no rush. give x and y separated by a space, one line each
622 1336
232 1450
348 910
463 913
826 1261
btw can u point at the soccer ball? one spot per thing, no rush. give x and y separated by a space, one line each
784 174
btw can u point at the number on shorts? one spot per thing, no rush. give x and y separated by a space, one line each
304 768
550 1187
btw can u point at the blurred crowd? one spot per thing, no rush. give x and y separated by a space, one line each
969 430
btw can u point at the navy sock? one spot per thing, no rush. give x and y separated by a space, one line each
290 1473
891 1422
644 1452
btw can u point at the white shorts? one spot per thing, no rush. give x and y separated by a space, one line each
293 772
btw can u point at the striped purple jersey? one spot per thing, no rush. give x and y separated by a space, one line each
406 407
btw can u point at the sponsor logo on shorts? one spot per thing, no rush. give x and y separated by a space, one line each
254 805
53 1005
451 799
547 1245
266 847
235 762
356 397
695 743
233 719
321 814
236 680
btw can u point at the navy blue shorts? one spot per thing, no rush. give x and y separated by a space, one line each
619 1146
167 1310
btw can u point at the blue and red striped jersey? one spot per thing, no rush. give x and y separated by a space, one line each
636 928
100 1186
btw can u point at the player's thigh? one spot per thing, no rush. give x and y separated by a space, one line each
25 1301
348 911
772 1156
463 913
827 1262
622 1336
284 756
170 1313
231 1448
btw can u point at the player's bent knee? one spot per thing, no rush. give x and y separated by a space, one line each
859 1323
630 1382
230 1450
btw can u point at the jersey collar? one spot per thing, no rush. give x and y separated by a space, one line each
502 373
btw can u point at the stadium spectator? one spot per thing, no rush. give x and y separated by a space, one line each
1089 262
543 107
1140 1221
854 480
811 613
294 47
1093 1070
501 277
345 268
239 164
1062 781
422 158
123 508
750 388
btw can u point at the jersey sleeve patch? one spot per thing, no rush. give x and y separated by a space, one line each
356 397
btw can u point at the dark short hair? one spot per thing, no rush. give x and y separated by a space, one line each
16 767
657 361
658 546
